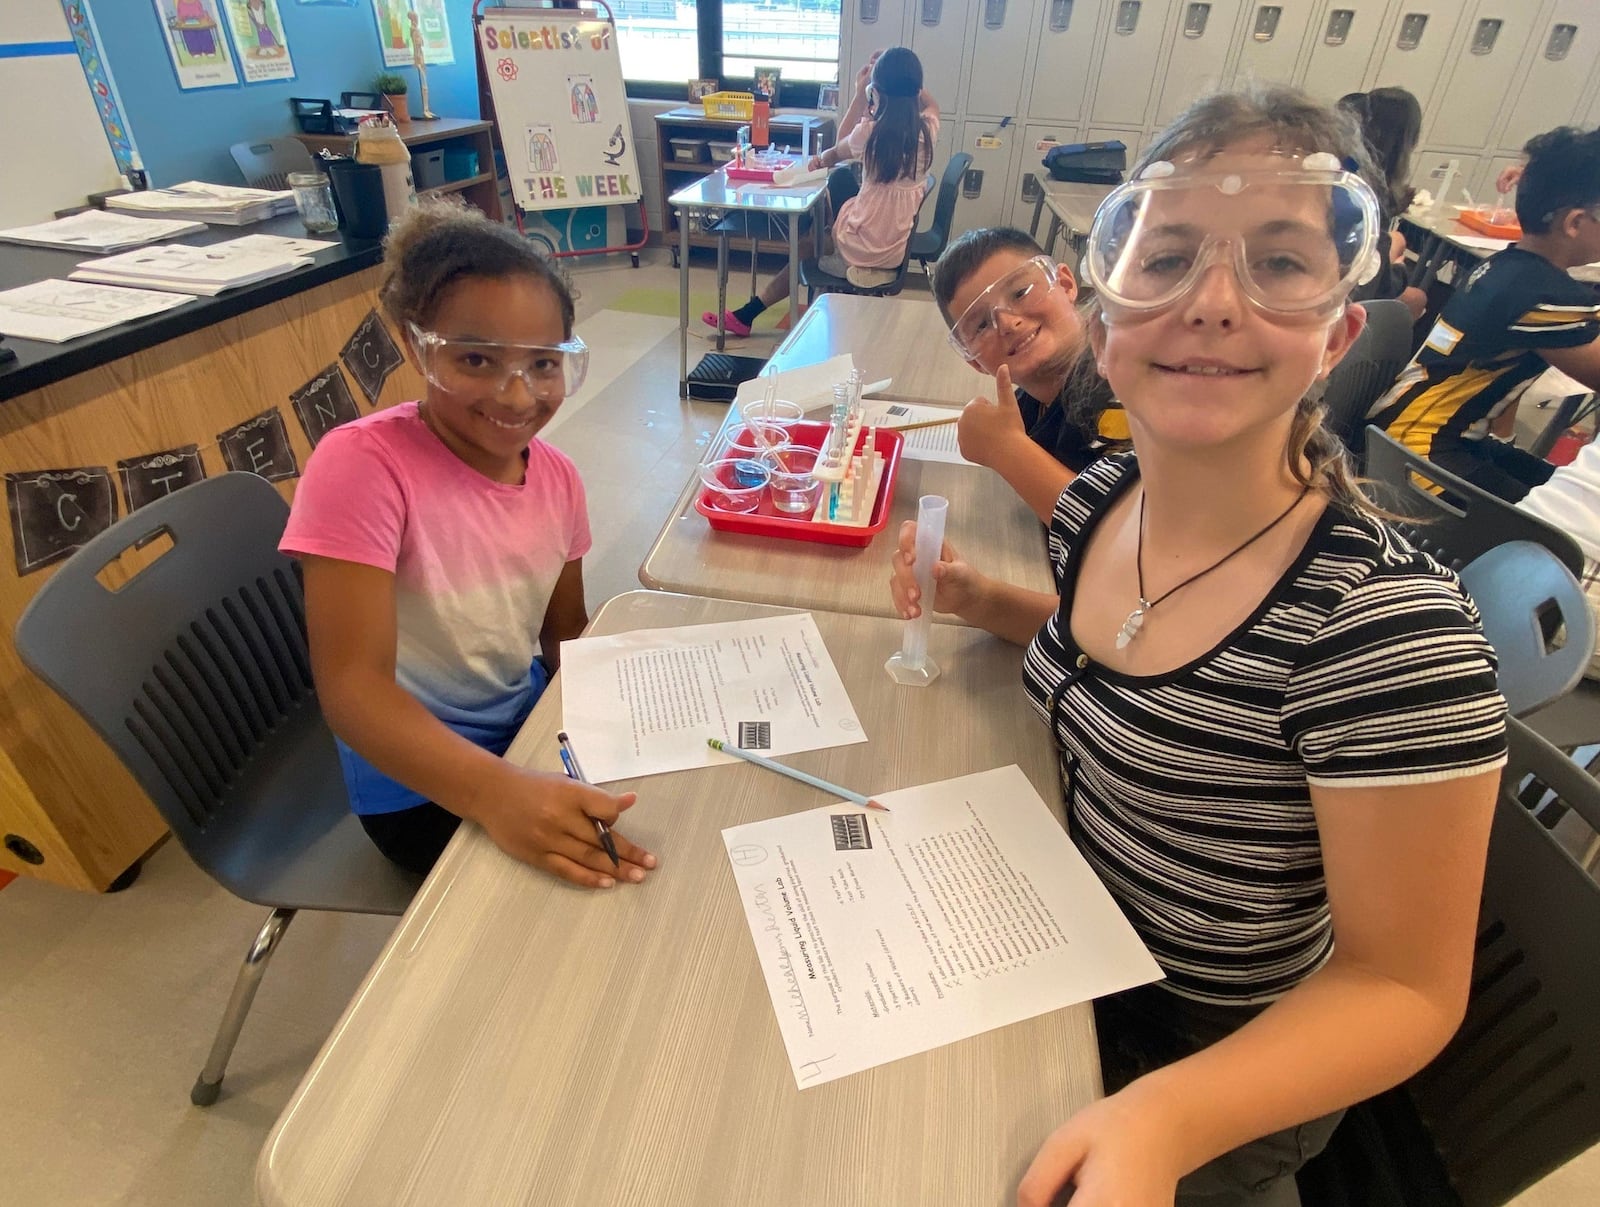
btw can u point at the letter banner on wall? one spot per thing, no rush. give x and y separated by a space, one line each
556 78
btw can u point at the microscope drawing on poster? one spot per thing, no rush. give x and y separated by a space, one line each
585 108
542 155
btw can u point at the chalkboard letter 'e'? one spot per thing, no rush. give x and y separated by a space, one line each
260 446
54 511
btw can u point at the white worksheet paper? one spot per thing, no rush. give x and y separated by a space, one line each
924 444
56 311
645 702
969 910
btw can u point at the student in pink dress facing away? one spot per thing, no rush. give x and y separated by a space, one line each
442 545
892 126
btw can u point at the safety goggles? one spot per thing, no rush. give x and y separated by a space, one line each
461 366
1022 292
1297 237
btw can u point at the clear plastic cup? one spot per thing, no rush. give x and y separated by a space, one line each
754 437
780 412
313 197
795 487
734 483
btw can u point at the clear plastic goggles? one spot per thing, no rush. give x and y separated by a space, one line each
1021 292
464 366
1297 238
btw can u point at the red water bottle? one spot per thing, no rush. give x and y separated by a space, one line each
759 136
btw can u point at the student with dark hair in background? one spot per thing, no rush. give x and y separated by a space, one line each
1516 313
1391 124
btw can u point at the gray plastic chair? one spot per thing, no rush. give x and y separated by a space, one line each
1367 370
1457 526
1517 1091
1528 600
266 164
928 245
197 675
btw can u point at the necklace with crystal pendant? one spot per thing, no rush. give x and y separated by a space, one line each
1131 626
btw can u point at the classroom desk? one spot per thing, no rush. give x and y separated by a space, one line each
1439 239
987 522
169 384
715 191
520 1040
899 338
1072 206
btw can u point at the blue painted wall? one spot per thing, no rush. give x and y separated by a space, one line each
186 135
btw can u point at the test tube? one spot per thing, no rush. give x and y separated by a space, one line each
910 665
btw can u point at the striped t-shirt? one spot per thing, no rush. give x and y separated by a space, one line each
1189 792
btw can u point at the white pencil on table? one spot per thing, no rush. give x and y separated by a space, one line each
759 761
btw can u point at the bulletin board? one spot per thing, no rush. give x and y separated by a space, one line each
555 75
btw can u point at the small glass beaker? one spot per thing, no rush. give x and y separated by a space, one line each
795 486
313 197
734 483
780 412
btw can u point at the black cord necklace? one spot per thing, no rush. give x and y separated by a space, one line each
1135 622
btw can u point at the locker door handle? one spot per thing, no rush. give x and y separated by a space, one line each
1485 35
1411 27
972 183
1194 20
1030 187
1127 16
994 14
931 12
1060 15
1267 22
869 12
1339 22
1561 38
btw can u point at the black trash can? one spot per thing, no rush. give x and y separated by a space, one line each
358 188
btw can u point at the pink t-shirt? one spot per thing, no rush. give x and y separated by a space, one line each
475 561
871 228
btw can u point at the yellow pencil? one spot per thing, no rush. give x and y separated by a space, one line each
912 427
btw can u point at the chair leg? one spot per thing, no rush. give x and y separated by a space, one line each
209 1084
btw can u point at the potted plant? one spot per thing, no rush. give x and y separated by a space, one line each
393 88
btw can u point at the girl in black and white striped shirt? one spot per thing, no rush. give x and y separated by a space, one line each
1278 723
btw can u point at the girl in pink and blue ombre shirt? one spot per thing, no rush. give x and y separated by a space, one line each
442 548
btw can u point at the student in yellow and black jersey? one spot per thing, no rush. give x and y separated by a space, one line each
1515 314
1012 313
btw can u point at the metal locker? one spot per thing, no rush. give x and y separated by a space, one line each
985 197
1429 168
1416 46
1133 44
1344 42
866 26
1000 37
1037 138
1272 39
1565 49
1484 71
1201 40
1065 31
941 32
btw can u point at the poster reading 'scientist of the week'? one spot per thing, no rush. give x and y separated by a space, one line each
563 114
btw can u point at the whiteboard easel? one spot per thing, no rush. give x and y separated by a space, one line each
550 80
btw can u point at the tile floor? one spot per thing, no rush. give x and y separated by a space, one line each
108 1003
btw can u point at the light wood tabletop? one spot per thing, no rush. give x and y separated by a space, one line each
523 1041
987 523
899 338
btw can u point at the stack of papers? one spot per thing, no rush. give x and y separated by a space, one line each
100 232
54 311
198 270
224 204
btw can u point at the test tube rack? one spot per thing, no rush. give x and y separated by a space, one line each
849 500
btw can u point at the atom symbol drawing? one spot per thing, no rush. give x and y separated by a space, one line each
507 69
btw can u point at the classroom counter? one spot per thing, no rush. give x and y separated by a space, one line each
93 428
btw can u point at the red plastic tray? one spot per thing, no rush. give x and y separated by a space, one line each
768 521
763 173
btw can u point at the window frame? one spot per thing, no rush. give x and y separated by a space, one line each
797 94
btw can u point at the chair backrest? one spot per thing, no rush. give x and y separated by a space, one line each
190 667
1463 521
1517 1091
1368 369
266 164
1528 601
927 245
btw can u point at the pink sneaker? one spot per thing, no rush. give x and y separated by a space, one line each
730 322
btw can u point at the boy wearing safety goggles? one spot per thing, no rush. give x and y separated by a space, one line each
442 546
1516 314
1012 314
1277 723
